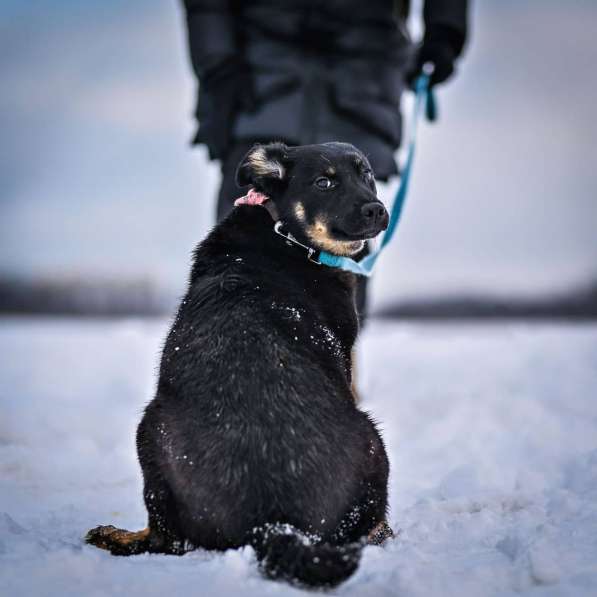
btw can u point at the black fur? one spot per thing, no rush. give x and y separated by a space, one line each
253 436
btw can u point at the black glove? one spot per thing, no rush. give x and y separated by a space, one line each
225 91
440 48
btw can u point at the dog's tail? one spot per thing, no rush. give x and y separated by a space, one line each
285 553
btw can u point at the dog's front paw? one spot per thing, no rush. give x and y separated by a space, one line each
118 542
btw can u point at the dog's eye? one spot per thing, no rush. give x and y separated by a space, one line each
324 183
368 175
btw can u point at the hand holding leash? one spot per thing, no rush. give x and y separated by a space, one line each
424 95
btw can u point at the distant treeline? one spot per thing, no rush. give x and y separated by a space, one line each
577 304
142 297
80 297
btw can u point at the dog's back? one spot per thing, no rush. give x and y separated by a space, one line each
253 436
263 426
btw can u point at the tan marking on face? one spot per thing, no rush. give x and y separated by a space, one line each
331 171
319 234
299 211
357 160
264 166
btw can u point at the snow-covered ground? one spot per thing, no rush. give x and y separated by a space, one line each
492 435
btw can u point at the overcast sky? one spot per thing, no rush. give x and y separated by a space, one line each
97 177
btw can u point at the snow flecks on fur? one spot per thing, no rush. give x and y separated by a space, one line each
323 336
320 336
293 313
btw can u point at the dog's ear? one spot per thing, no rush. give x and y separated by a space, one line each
264 167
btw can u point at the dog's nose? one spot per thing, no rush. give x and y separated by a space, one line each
375 213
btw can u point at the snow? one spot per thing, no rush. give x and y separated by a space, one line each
491 431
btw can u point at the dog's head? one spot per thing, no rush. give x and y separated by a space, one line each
325 194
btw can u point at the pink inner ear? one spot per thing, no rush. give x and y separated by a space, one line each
253 197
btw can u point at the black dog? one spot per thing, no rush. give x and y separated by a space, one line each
253 436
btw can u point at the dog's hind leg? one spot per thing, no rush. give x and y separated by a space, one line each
379 534
120 542
165 536
160 536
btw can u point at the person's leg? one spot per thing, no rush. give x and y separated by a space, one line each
361 299
361 288
229 191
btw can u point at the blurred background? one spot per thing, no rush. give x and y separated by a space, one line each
102 198
490 425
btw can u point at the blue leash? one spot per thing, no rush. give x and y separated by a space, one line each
423 95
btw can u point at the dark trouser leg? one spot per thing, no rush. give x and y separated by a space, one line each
229 191
361 299
361 289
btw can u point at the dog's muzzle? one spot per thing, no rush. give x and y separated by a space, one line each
375 216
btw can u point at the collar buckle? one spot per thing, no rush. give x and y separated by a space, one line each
312 254
312 259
